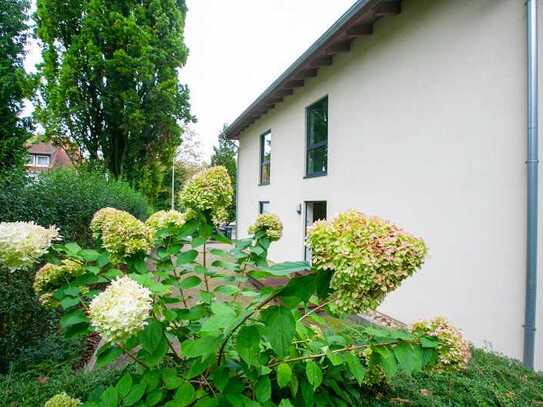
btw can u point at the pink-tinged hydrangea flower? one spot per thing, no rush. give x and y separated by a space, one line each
122 235
52 276
23 243
121 310
162 219
369 257
209 191
269 224
62 400
453 349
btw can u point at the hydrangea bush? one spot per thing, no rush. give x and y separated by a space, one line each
62 400
454 352
368 256
23 243
162 219
179 316
121 234
269 225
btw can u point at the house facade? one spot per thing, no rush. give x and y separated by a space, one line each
416 112
45 156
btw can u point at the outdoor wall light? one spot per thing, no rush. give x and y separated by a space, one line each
299 209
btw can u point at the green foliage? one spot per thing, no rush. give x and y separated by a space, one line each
269 225
14 130
368 256
23 321
110 85
24 390
225 154
67 199
213 351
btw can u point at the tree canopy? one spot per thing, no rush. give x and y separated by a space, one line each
110 88
14 130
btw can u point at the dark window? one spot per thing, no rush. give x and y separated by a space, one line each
263 207
314 211
265 158
317 138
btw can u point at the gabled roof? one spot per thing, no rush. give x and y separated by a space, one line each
357 21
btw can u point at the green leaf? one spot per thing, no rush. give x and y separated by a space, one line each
135 394
72 248
263 389
152 379
285 403
200 347
154 397
223 316
428 342
409 358
107 355
307 393
198 241
68 302
186 257
284 269
300 287
73 318
220 378
248 344
226 265
110 398
155 357
218 252
284 374
207 402
355 367
322 282
184 395
335 358
89 255
314 374
190 282
124 385
280 328
171 379
386 360
151 336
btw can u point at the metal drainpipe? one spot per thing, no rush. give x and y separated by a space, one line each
532 187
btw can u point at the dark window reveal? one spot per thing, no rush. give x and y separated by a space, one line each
317 138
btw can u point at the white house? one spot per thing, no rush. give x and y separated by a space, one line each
417 112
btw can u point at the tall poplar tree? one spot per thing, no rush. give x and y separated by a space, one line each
109 83
14 130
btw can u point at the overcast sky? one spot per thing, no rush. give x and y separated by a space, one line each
237 48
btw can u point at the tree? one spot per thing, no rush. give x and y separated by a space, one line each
14 130
225 154
109 83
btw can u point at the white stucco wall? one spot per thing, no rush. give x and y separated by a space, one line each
427 129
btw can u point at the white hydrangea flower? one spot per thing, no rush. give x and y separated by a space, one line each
23 243
121 310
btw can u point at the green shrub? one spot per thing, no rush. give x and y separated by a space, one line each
66 198
25 390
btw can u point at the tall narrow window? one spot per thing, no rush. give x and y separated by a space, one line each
263 207
314 211
317 138
265 158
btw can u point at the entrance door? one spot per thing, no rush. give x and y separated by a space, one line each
314 211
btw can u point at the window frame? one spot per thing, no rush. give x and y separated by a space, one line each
310 147
261 207
37 160
262 162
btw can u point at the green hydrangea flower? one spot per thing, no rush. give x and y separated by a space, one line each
162 219
268 223
369 257
453 349
52 276
121 233
62 400
209 191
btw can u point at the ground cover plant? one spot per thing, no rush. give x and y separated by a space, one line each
211 350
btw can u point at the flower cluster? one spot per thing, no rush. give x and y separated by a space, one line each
369 257
269 224
121 310
162 219
52 276
453 349
121 233
209 191
62 400
23 243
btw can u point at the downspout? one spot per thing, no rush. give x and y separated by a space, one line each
532 163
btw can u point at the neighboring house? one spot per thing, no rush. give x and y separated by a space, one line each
416 112
44 156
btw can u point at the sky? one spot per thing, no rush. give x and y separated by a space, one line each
237 48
